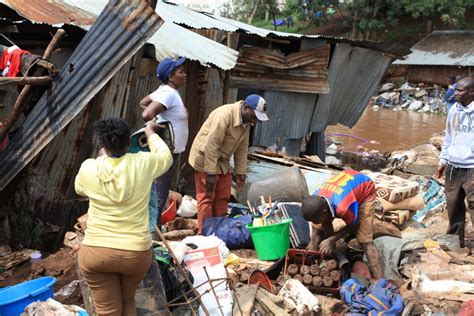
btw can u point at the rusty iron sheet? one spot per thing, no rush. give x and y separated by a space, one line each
118 33
443 48
50 12
275 59
304 72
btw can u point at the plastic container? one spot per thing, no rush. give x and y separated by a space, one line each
14 299
288 185
35 257
272 241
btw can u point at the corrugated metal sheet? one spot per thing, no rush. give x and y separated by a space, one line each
50 12
172 40
181 15
262 169
266 69
354 74
443 48
289 120
122 29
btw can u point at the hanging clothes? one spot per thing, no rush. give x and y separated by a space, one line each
10 63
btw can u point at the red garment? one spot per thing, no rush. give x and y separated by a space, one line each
213 204
12 60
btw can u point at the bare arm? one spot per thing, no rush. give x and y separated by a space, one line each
150 108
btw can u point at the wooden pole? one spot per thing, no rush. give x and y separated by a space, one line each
33 81
24 95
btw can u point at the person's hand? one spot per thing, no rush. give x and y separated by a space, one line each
241 179
327 246
211 180
440 171
102 152
155 127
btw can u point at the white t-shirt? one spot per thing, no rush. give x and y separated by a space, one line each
176 113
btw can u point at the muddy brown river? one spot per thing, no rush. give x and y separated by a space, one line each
388 130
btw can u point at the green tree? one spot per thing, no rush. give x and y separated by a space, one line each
450 11
368 16
243 10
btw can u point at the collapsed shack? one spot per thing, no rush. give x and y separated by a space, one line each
55 137
39 165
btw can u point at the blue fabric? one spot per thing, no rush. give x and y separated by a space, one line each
162 187
449 97
231 230
152 206
279 22
380 298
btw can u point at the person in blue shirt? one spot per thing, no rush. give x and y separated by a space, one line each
449 97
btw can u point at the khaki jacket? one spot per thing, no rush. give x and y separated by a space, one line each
221 135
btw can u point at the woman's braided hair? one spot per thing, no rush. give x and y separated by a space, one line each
113 133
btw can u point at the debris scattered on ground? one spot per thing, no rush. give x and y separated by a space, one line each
419 98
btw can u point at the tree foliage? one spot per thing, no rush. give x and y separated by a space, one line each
248 10
450 11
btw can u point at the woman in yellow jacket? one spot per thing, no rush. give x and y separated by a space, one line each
116 251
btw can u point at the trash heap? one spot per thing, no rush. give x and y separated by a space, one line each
419 160
254 261
417 98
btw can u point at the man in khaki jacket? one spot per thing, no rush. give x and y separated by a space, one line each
225 133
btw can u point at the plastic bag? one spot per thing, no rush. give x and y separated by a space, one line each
188 207
231 230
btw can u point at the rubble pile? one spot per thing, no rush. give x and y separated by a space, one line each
418 98
426 271
420 160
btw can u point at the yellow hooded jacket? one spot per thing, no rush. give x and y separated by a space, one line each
119 191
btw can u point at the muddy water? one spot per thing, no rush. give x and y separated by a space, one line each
388 130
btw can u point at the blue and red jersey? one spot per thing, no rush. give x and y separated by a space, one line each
345 192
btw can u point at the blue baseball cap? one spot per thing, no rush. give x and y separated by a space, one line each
259 105
166 66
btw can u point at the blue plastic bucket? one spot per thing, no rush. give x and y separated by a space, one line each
14 299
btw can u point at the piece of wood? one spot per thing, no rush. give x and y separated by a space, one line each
292 269
275 299
317 281
335 276
25 94
46 65
307 279
324 272
33 81
259 309
269 304
15 258
304 269
246 297
331 264
298 277
177 235
315 269
327 281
